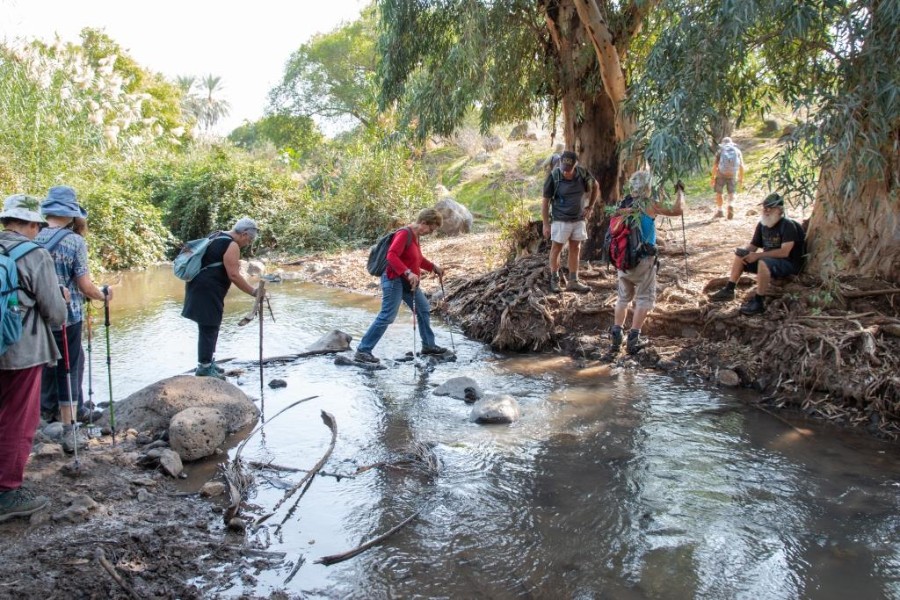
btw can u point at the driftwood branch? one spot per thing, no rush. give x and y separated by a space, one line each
235 478
336 558
328 419
111 570
257 305
865 293
272 466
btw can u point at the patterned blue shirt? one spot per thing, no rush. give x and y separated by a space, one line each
71 259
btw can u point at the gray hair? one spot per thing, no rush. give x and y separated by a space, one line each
639 184
246 224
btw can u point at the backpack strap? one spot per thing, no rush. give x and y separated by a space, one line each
15 252
56 238
212 237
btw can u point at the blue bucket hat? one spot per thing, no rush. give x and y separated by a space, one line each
61 202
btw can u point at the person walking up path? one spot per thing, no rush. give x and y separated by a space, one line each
728 172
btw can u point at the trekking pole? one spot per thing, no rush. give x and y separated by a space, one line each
444 296
72 408
90 402
112 413
259 301
414 332
680 186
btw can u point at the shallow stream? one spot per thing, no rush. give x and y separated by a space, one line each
637 486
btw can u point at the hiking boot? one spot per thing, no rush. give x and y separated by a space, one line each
72 436
726 293
365 357
616 337
634 344
218 369
208 370
554 283
20 503
719 214
755 306
562 278
576 286
611 354
730 213
433 350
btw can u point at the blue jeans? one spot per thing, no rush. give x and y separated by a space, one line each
392 293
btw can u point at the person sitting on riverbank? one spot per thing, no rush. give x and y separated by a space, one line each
400 282
204 296
64 239
639 283
782 243
44 304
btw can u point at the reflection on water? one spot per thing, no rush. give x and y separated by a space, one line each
628 486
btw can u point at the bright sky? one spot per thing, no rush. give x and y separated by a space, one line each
246 43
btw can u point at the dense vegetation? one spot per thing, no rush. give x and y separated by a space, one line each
137 150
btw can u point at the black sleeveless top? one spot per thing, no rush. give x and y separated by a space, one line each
204 297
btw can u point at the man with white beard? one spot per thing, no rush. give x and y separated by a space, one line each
782 243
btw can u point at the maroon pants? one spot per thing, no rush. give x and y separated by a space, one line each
20 414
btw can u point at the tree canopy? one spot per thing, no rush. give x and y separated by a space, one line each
332 76
652 80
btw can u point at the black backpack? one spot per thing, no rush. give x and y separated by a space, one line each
377 262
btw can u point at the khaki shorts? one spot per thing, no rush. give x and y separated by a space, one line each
723 181
639 284
564 231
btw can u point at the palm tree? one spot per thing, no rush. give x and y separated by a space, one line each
213 108
191 103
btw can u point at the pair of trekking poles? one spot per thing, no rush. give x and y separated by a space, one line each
68 367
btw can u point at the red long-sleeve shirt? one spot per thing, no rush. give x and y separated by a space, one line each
401 257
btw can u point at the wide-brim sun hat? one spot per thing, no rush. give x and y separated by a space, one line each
22 207
61 202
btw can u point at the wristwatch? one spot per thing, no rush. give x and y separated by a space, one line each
407 273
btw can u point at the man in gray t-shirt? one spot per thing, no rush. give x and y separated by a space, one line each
564 192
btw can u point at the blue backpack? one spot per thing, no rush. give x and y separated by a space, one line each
189 262
11 314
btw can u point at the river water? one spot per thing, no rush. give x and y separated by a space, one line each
632 487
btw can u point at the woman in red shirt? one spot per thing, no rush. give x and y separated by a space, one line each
400 281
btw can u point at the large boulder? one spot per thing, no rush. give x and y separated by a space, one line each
457 219
519 132
197 432
495 409
152 408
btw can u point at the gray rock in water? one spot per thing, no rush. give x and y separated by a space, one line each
343 361
170 463
196 432
334 341
457 388
152 408
277 383
728 378
211 489
495 409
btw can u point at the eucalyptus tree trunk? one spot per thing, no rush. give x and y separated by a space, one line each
858 236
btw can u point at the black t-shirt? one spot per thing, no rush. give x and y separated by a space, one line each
567 203
772 238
